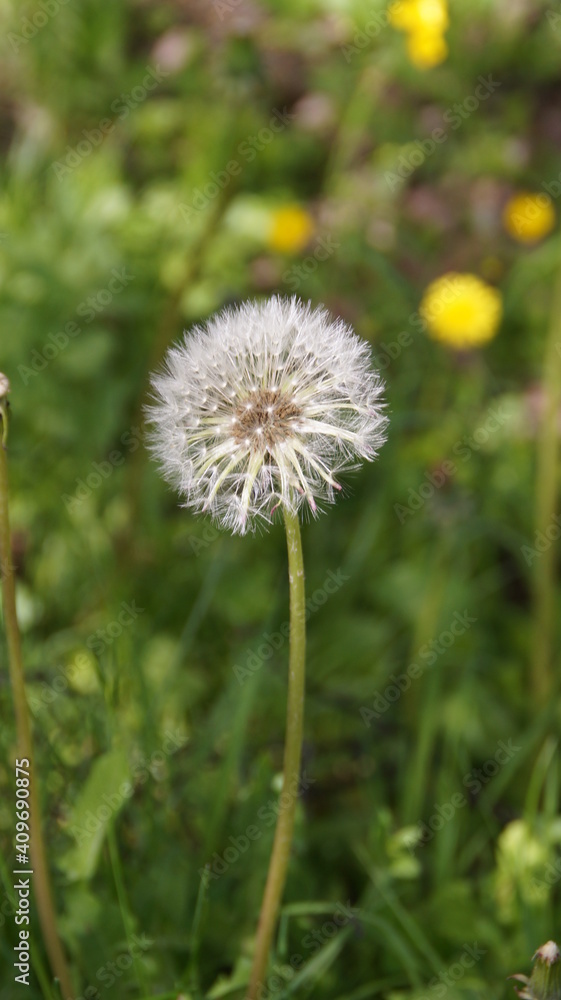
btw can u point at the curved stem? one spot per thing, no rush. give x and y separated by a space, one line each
546 502
40 882
292 752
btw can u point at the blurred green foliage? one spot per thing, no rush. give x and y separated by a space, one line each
105 256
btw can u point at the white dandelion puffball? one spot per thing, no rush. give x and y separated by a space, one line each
262 408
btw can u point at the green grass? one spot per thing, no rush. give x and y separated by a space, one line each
208 598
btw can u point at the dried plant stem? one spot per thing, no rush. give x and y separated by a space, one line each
292 753
40 879
546 502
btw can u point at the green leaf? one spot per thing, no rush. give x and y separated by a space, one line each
105 793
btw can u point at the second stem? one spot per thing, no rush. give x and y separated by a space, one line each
41 879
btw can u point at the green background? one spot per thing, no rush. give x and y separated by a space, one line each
104 703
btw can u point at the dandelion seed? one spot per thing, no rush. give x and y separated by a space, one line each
302 406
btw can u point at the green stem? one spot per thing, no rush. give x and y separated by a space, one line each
40 878
546 502
292 752
421 707
124 907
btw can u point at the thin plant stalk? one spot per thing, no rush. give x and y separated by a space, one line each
40 881
546 502
278 864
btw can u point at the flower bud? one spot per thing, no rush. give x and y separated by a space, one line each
545 981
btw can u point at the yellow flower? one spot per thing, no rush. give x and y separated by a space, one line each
529 217
419 15
461 310
401 15
426 49
291 229
425 22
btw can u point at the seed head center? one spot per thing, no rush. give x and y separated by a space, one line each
265 418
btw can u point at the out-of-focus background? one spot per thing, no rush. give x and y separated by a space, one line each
161 160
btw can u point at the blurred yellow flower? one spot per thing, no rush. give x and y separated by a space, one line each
461 310
426 49
529 217
419 15
425 22
401 15
291 229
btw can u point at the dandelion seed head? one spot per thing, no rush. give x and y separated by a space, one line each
282 401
